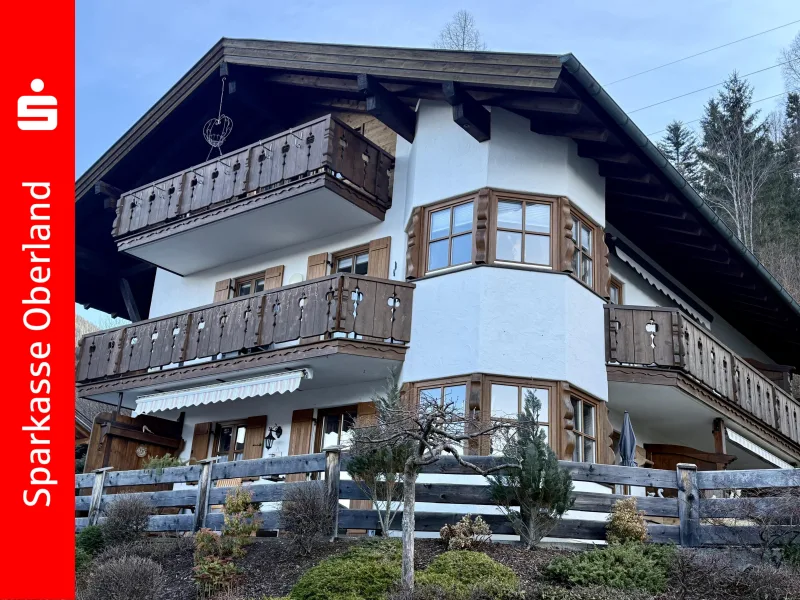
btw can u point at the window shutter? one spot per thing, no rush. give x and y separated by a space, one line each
366 416
300 438
366 412
273 277
200 439
254 437
414 257
222 290
317 265
379 258
603 275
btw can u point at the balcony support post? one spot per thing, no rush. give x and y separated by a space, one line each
332 476
130 301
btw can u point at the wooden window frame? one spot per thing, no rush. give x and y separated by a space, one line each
218 437
353 252
330 411
426 228
251 279
585 398
619 285
497 196
595 229
553 435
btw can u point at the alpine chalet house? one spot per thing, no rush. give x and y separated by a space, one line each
292 221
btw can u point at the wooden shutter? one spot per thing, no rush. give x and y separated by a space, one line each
379 258
222 290
414 256
317 265
202 435
300 438
273 277
603 275
254 437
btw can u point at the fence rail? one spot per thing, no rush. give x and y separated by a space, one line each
376 309
687 510
666 338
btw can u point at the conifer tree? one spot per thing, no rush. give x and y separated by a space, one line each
535 496
679 145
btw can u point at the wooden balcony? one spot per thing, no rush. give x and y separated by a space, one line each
315 180
666 339
369 316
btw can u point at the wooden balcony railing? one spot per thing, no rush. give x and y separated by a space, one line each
334 306
665 337
323 146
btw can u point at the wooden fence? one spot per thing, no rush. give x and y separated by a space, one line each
689 509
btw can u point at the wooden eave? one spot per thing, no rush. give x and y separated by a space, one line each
655 209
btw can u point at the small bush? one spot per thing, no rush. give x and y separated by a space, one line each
624 566
82 560
126 520
553 592
365 572
791 555
466 534
126 578
241 513
307 515
625 523
465 575
90 540
159 463
213 575
209 544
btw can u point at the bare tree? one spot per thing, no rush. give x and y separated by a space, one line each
741 166
460 33
425 432
790 57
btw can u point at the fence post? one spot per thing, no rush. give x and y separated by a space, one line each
688 505
332 456
203 492
97 494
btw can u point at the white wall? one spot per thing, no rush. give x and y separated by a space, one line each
446 161
508 322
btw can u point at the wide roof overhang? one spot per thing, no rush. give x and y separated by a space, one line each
278 83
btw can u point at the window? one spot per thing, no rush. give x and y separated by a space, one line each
352 260
248 284
507 401
585 430
230 441
615 291
582 262
441 394
523 232
335 426
450 236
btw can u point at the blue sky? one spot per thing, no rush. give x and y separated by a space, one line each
129 53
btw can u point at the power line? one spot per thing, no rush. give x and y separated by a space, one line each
701 53
753 102
709 87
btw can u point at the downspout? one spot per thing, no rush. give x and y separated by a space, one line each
594 89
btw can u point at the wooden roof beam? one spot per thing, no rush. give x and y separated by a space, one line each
625 173
602 153
469 114
591 133
387 108
656 210
638 190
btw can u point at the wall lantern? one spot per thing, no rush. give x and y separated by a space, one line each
277 430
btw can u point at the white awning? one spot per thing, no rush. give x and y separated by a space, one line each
757 450
275 383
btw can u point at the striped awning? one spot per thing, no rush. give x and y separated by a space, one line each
768 456
275 383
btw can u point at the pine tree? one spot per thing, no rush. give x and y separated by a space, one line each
536 496
737 156
679 145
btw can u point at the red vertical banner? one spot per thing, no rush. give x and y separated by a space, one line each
38 254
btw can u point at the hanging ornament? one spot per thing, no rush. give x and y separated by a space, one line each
217 129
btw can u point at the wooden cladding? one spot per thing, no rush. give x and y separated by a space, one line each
337 304
323 146
666 338
508 228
